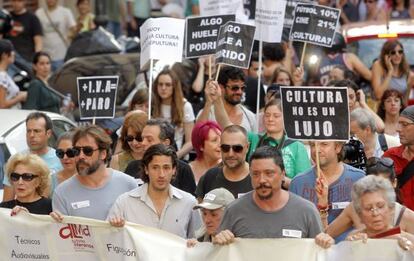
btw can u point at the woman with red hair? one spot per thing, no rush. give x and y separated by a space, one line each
206 142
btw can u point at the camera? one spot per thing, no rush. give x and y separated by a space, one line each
354 154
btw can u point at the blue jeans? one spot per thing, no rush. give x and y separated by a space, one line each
114 28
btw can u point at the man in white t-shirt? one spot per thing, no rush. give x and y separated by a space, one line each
58 26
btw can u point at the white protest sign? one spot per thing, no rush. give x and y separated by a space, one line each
222 7
269 20
162 39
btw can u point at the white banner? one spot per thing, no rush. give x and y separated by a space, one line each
269 20
223 7
162 39
35 237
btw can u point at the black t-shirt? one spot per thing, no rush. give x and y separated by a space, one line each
25 27
43 206
214 178
184 179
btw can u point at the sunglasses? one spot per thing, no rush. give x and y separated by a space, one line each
236 148
87 150
70 153
374 161
130 138
235 88
25 176
400 52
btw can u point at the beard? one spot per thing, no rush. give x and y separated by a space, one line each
89 169
234 165
231 101
264 197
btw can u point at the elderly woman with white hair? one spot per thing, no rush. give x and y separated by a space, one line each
374 200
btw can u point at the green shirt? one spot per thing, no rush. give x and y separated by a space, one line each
39 97
295 156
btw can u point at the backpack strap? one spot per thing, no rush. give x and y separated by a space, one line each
397 222
406 174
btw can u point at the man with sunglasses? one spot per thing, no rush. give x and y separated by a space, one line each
233 175
403 157
39 129
160 131
363 126
92 192
157 203
231 81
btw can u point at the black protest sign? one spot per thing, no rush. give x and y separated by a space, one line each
316 113
202 32
314 24
250 8
97 96
234 44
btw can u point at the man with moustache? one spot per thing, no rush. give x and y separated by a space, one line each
93 191
232 83
233 175
268 211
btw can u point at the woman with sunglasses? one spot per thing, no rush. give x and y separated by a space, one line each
29 177
169 103
403 217
391 71
206 142
66 154
131 140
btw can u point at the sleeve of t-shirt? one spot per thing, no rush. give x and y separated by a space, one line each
194 224
36 26
188 113
58 204
70 19
315 223
302 162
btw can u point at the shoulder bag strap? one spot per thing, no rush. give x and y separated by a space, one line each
55 27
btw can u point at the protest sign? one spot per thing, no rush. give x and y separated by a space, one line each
234 44
290 10
316 113
269 20
202 33
250 9
38 237
162 39
97 96
222 7
314 24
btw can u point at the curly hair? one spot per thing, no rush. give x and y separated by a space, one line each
35 164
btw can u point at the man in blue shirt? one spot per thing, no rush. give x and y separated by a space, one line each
331 190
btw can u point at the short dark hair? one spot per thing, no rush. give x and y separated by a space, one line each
6 47
157 150
101 138
234 129
274 51
37 55
38 115
167 130
268 152
230 73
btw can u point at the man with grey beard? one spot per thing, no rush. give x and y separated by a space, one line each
93 191
268 211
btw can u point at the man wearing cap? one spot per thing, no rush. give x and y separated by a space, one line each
403 157
157 203
268 211
212 209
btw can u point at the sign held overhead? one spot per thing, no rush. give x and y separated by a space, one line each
316 113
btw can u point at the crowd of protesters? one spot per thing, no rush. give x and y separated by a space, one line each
203 167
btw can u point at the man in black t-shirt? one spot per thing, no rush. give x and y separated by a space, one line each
234 174
26 32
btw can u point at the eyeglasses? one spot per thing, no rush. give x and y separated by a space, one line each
400 52
130 138
235 88
87 150
374 161
25 176
405 124
70 153
379 208
236 148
